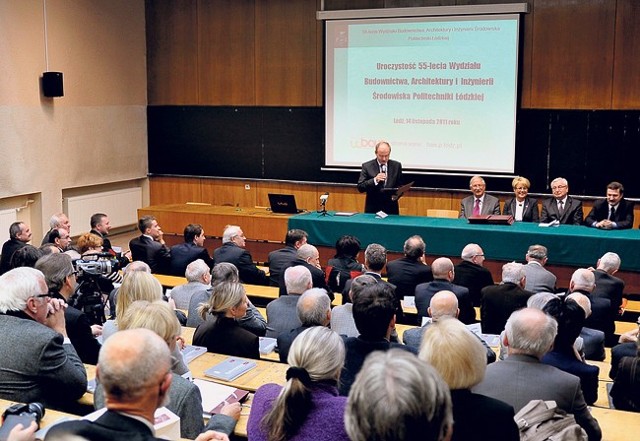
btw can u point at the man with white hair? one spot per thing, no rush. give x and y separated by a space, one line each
561 206
58 220
281 312
499 301
590 343
521 377
471 273
233 251
37 360
607 285
308 257
584 282
198 280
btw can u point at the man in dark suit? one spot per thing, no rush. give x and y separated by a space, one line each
134 370
309 257
379 174
409 271
233 251
19 235
471 273
500 301
614 213
479 203
61 281
601 318
609 286
58 220
561 207
150 247
443 273
280 259
100 226
191 250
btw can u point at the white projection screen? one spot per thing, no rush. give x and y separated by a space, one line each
441 90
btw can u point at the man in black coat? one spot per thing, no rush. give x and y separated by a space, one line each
19 235
280 259
411 270
614 213
561 206
609 286
309 257
233 251
471 274
150 247
601 318
191 250
376 176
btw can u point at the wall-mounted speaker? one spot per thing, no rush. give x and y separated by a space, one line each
52 84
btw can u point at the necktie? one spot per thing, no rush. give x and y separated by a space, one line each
612 212
476 208
561 207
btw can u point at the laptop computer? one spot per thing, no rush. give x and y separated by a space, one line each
283 203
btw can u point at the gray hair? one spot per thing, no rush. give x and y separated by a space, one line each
414 247
306 251
609 262
297 279
583 279
530 331
540 299
313 307
443 304
130 362
441 267
17 285
196 270
470 251
230 232
56 220
537 252
56 268
137 265
375 257
224 272
512 272
359 283
581 300
559 180
396 396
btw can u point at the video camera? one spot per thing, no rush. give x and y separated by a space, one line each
20 414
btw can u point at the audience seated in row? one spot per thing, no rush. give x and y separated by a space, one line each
280 259
411 269
233 251
189 251
308 257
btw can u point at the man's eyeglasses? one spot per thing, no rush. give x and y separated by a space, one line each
41 296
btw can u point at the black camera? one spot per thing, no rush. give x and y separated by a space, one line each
20 414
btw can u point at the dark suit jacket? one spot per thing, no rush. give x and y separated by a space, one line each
425 291
406 274
531 212
601 317
317 277
490 205
185 253
377 199
225 336
618 352
156 255
623 217
572 211
279 260
8 249
609 287
249 273
286 339
588 374
498 302
79 332
472 414
474 277
106 243
110 426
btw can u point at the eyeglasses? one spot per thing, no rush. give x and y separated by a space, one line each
478 255
41 296
74 273
558 187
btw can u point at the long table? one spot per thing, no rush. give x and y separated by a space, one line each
570 245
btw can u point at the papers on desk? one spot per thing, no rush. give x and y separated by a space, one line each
409 301
553 223
267 345
345 213
230 369
190 352
492 340
215 396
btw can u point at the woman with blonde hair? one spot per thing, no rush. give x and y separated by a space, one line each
461 360
521 206
221 333
308 406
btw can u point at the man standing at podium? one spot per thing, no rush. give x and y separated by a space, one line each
378 174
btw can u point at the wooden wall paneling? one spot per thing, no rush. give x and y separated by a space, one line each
169 190
336 5
286 53
305 194
229 192
319 59
172 52
525 55
573 54
626 81
226 52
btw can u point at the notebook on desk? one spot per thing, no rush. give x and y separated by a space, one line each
230 369
283 203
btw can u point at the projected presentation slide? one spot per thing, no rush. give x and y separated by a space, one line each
442 91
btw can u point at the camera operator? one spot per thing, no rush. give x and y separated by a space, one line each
61 280
90 247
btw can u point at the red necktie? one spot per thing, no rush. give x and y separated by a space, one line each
476 208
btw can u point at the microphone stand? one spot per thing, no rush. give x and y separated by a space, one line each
323 211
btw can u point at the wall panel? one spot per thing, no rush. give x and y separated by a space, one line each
626 80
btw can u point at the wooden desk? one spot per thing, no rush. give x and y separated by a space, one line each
617 425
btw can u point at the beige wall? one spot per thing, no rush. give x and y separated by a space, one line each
95 134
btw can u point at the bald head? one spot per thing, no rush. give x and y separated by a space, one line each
582 280
530 331
443 304
442 268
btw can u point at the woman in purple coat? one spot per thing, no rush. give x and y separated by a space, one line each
308 406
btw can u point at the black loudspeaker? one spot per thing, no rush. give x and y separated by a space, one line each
52 84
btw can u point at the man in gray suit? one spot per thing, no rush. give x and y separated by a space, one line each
198 280
539 279
37 360
479 203
282 312
522 377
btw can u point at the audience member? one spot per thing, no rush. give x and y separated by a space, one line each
521 377
471 273
90 246
499 301
198 280
222 333
38 361
19 235
443 274
627 347
378 174
443 305
313 309
307 407
48 248
625 392
27 255
100 226
613 213
150 247
561 207
479 203
374 313
233 251
460 359
134 371
522 207
590 344
61 281
136 265
60 238
191 250
539 279
584 282
281 312
410 270
342 321
607 285
308 257
397 397
280 259
58 220
344 264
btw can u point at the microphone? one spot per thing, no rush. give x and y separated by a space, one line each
384 168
